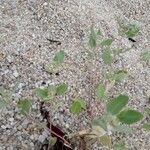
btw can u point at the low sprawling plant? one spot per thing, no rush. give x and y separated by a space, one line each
117 117
128 30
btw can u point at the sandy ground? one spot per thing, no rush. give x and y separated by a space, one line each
25 26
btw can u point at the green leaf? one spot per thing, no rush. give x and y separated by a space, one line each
52 141
107 42
42 93
132 30
59 57
123 129
77 105
106 56
100 122
61 89
116 105
47 93
119 75
100 91
129 116
51 91
82 102
92 38
24 106
106 140
103 121
99 32
120 146
146 126
146 56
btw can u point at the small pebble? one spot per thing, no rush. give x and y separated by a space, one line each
41 138
31 144
34 106
25 123
45 4
9 59
32 137
11 119
15 74
3 127
20 85
67 126
6 71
